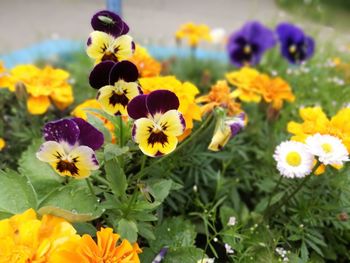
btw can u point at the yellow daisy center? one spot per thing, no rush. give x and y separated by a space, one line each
293 159
327 148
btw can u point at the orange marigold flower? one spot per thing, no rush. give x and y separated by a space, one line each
273 90
2 144
24 238
219 96
193 33
145 63
4 77
106 249
186 92
42 86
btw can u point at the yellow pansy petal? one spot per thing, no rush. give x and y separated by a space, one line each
173 123
50 152
111 102
157 149
97 45
123 46
38 105
221 136
142 129
84 159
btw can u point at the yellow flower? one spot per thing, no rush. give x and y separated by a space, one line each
316 121
145 63
193 33
2 144
219 96
186 93
273 90
82 110
24 238
106 249
43 85
242 80
4 77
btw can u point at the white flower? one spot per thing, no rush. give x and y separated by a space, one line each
218 35
329 149
231 221
229 249
293 159
206 260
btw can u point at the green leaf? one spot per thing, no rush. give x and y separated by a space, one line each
174 232
160 189
225 214
73 202
43 178
98 124
183 255
116 177
127 229
16 193
85 228
146 230
304 252
112 150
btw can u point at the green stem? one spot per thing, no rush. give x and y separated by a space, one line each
272 194
90 186
121 135
100 179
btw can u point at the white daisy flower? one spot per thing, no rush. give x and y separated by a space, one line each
293 159
329 149
231 221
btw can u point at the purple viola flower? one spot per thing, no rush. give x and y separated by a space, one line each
296 47
110 23
158 122
161 255
247 45
117 84
70 146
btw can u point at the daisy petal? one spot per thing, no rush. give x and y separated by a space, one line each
124 70
89 135
64 130
161 101
99 76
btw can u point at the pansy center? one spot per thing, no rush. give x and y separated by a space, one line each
293 158
292 49
65 164
247 49
327 148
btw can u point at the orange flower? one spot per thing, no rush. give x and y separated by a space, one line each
145 63
193 33
273 90
4 77
24 238
107 249
219 96
2 144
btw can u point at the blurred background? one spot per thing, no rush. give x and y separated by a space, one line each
24 23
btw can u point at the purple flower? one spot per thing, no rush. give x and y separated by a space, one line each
296 47
110 23
70 147
117 84
246 46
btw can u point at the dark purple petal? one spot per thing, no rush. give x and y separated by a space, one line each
161 101
99 76
89 135
109 22
124 70
247 45
137 107
89 41
64 130
133 46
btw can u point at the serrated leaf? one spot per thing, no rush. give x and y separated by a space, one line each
160 189
73 201
146 230
43 178
304 252
16 193
112 150
183 255
174 232
116 177
127 229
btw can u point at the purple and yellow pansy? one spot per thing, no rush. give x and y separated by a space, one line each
158 122
109 40
116 84
70 146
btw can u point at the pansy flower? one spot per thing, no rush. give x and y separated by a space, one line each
70 147
157 122
296 47
247 45
117 85
226 128
110 23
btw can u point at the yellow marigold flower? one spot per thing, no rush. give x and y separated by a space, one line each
219 96
4 77
24 238
242 80
2 144
106 249
145 63
81 111
186 92
42 86
193 33
273 90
